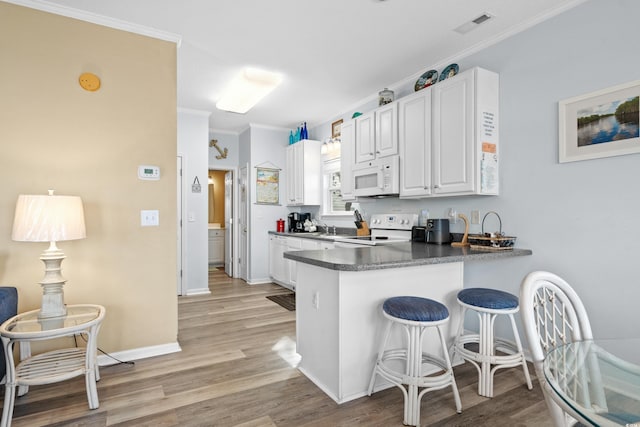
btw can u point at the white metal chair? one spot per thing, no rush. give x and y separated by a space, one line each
552 315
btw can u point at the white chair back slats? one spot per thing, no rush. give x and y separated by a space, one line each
552 315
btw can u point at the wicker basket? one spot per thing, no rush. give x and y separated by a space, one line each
491 241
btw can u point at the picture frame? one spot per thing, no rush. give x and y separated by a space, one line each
600 124
336 128
267 186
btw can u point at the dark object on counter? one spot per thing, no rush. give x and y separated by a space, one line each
436 231
296 221
495 241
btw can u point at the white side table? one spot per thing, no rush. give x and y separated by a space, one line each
52 366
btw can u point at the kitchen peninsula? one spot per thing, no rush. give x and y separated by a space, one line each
339 296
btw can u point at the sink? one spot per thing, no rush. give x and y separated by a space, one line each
328 236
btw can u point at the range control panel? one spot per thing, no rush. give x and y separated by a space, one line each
393 221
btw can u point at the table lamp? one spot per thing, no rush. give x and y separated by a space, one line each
41 218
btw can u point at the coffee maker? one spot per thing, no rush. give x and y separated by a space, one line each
296 221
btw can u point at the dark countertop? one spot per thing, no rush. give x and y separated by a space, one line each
396 255
340 231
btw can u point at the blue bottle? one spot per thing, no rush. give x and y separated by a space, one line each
297 137
304 135
291 137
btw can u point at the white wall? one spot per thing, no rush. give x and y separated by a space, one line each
267 149
578 218
193 133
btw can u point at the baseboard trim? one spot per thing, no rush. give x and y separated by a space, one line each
201 291
259 281
138 353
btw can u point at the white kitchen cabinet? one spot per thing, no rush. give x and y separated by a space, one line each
376 133
277 269
364 137
304 173
216 246
386 136
302 244
414 131
347 156
284 271
459 136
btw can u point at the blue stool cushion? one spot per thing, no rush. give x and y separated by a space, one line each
415 308
488 298
8 309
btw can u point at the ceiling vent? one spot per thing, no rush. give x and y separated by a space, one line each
473 24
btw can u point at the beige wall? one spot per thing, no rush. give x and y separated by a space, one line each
56 135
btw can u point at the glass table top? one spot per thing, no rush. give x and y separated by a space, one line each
598 379
77 316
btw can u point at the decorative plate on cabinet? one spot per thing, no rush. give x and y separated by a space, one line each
450 71
425 80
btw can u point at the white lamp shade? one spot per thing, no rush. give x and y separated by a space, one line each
41 218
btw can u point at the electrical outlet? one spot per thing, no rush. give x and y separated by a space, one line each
316 300
475 217
453 215
149 218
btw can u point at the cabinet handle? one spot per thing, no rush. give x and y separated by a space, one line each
436 186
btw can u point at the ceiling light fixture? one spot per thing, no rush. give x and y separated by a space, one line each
247 89
473 24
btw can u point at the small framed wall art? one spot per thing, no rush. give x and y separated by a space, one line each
600 124
336 128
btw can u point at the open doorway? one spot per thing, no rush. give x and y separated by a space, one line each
220 219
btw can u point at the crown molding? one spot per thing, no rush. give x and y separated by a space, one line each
95 18
194 112
459 56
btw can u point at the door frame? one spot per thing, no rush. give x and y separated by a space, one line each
234 216
180 279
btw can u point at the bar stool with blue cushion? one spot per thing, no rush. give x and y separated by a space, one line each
423 372
488 304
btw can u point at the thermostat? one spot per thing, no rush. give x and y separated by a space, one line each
150 173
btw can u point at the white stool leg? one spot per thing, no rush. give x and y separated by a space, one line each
454 386
525 368
383 344
414 362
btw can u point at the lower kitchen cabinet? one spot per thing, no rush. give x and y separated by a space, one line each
283 271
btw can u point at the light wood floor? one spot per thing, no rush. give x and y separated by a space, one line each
237 369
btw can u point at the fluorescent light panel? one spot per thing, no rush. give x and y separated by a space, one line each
247 89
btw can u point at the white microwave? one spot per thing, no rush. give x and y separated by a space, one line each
379 177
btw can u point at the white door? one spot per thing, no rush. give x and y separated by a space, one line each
179 281
242 224
228 223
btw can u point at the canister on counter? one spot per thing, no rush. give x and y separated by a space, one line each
280 225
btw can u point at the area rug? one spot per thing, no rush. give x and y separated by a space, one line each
287 301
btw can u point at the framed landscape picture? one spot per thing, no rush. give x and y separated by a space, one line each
600 124
267 186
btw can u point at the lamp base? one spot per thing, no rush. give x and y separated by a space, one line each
52 301
52 284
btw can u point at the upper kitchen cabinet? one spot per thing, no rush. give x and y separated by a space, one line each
347 151
460 154
376 133
415 144
304 170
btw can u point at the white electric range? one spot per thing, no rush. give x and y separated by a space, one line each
386 229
